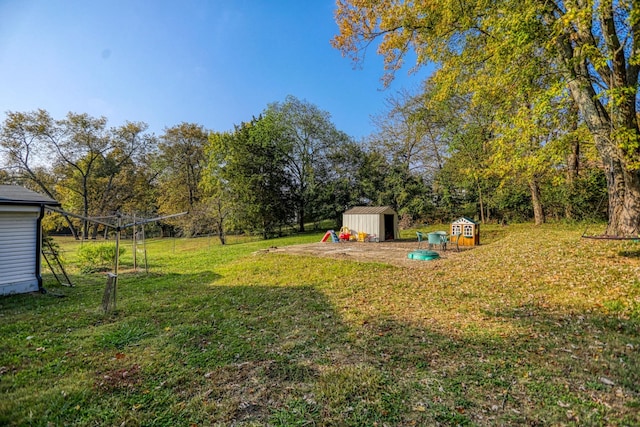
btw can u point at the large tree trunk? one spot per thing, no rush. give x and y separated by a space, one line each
623 183
573 163
220 222
627 209
481 202
94 231
85 208
608 128
72 228
536 200
301 217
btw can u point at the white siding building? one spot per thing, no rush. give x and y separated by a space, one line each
21 212
381 221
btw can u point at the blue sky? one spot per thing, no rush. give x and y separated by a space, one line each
216 63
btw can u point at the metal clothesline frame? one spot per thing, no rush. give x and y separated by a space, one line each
118 227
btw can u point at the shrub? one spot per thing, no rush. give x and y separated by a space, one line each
99 257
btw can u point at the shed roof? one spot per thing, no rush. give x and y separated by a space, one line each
16 195
370 210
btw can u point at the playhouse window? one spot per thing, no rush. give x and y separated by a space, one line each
455 229
467 231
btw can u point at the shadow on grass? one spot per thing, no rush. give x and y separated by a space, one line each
633 253
262 354
265 354
183 350
589 363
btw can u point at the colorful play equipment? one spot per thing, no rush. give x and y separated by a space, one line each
330 235
423 255
345 234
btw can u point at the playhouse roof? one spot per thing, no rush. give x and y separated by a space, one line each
16 195
465 220
370 210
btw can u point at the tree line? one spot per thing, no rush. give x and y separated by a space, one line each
538 91
531 113
290 167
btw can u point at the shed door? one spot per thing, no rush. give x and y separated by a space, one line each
18 239
389 229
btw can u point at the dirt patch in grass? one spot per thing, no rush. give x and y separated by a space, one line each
394 252
123 378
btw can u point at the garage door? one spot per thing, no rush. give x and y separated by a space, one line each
18 240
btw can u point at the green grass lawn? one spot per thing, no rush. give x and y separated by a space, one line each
535 327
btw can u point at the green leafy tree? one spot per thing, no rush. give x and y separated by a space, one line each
592 47
220 201
121 181
80 143
411 134
24 145
72 146
88 168
469 165
5 178
180 161
411 138
346 181
307 135
250 164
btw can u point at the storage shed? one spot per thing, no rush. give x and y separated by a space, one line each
381 221
468 230
21 213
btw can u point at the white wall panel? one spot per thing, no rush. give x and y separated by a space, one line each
370 224
18 251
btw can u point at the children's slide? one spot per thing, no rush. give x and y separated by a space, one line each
330 234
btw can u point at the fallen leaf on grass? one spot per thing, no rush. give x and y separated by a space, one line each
606 381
